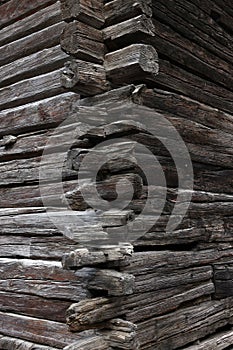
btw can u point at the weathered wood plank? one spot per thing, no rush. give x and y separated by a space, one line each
71 291
172 77
83 42
30 44
113 282
28 25
39 115
9 343
34 306
84 77
87 344
191 320
134 63
50 333
190 21
84 257
30 90
13 10
33 65
221 340
117 11
89 12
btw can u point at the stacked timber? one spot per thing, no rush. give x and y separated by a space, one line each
76 74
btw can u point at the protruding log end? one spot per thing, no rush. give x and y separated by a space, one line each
87 78
89 12
132 63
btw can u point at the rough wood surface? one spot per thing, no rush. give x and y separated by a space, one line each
89 12
83 42
12 10
32 43
35 22
84 77
133 63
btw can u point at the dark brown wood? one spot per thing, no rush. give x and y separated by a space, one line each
89 12
117 11
133 63
32 43
77 73
36 21
83 42
13 10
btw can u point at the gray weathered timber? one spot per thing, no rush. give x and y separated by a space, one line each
38 63
84 77
31 43
41 19
83 42
13 10
50 333
30 90
39 115
89 12
117 11
8 343
132 63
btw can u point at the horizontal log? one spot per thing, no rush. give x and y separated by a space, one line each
218 341
192 321
28 269
34 306
38 63
83 42
30 196
172 77
36 21
106 189
122 334
116 11
12 10
30 90
89 12
179 105
50 333
35 248
84 257
89 343
71 291
135 308
128 32
185 18
39 115
9 343
133 63
113 282
169 44
31 43
84 77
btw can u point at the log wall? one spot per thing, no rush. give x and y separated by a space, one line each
91 60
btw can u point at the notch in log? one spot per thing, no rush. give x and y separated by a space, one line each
132 31
113 282
83 257
84 77
86 11
121 334
137 62
117 11
83 42
89 313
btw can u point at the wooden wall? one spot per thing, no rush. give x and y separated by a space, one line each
175 291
